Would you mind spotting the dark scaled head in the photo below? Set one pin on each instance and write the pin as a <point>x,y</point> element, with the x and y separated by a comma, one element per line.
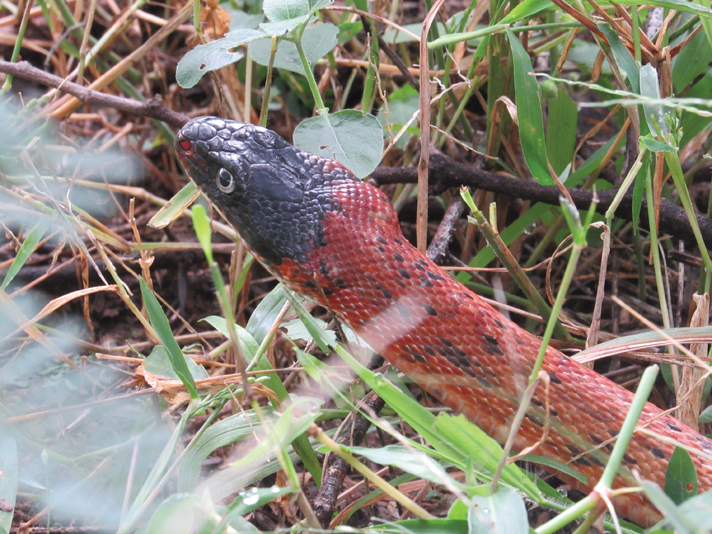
<point>275,195</point>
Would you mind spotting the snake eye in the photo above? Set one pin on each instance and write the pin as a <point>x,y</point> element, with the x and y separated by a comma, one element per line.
<point>185,145</point>
<point>225,181</point>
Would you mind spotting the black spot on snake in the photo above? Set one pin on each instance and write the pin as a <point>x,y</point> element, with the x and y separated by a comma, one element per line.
<point>430,310</point>
<point>657,452</point>
<point>629,459</point>
<point>398,257</point>
<point>672,426</point>
<point>425,282</point>
<point>405,274</point>
<point>381,249</point>
<point>418,266</point>
<point>490,339</point>
<point>381,240</point>
<point>555,379</point>
<point>340,283</point>
<point>310,284</point>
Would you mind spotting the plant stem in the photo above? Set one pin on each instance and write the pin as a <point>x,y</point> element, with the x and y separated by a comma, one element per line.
<point>321,109</point>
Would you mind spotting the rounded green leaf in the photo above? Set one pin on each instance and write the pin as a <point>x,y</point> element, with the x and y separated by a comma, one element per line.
<point>680,477</point>
<point>214,55</point>
<point>317,42</point>
<point>353,139</point>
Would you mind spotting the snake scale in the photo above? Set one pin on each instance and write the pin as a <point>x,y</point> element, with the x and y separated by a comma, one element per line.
<point>327,235</point>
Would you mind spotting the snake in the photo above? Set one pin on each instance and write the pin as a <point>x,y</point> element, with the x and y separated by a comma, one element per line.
<point>336,239</point>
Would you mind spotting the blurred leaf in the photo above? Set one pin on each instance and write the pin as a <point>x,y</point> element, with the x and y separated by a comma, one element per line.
<point>159,321</point>
<point>351,138</point>
<point>561,130</point>
<point>24,252</point>
<point>423,526</point>
<point>181,513</point>
<point>258,326</point>
<point>214,55</point>
<point>500,513</point>
<point>316,41</point>
<point>251,499</point>
<point>175,206</point>
<point>8,480</point>
<point>680,477</point>
<point>232,429</point>
<point>531,123</point>
<point>674,515</point>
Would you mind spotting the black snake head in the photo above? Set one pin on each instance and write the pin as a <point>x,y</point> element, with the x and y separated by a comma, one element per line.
<point>274,194</point>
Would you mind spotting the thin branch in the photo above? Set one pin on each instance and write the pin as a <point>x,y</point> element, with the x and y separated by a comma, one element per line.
<point>445,173</point>
<point>153,108</point>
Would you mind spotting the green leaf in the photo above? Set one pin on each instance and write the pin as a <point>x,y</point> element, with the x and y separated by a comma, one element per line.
<point>232,429</point>
<point>692,61</point>
<point>706,415</point>
<point>316,41</point>
<point>411,461</point>
<point>266,312</point>
<point>249,500</point>
<point>175,206</point>
<point>531,123</point>
<point>425,526</point>
<point>654,111</point>
<point>673,514</point>
<point>181,513</point>
<point>622,57</point>
<point>558,466</point>
<point>680,476</point>
<point>402,104</point>
<point>500,513</point>
<point>159,363</point>
<point>639,192</point>
<point>282,432</point>
<point>201,224</point>
<point>214,55</point>
<point>26,249</point>
<point>678,5</point>
<point>482,451</point>
<point>655,146</point>
<point>561,130</point>
<point>351,138</point>
<point>159,321</point>
<point>286,15</point>
<point>248,344</point>
<point>9,478</point>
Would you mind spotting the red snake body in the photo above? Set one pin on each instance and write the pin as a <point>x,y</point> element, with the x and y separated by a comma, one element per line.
<point>353,259</point>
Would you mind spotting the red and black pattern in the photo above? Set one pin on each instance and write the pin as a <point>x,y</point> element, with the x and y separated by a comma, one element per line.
<point>327,235</point>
